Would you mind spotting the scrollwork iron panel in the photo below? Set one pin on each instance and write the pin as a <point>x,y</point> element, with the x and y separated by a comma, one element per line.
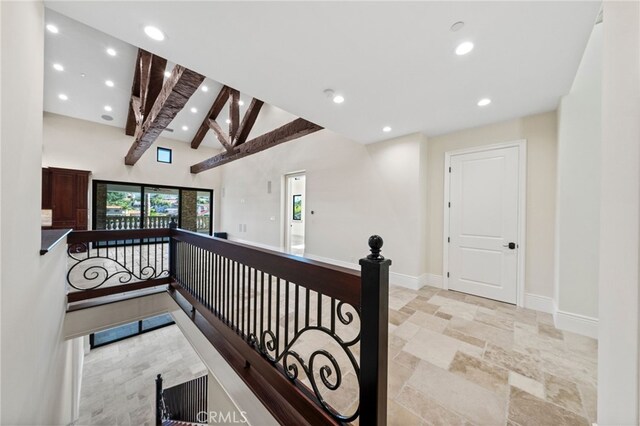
<point>96,264</point>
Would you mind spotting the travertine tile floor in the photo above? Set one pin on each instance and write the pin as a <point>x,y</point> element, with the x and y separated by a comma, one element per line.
<point>460,359</point>
<point>453,359</point>
<point>118,380</point>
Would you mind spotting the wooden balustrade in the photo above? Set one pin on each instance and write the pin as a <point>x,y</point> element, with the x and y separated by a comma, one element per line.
<point>292,328</point>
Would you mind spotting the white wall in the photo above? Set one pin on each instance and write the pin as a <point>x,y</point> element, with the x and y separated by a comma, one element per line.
<point>354,190</point>
<point>36,381</point>
<point>79,144</point>
<point>578,196</point>
<point>540,132</point>
<point>619,298</point>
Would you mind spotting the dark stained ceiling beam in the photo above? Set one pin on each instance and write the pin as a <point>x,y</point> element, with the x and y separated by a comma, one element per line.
<point>147,83</point>
<point>175,93</point>
<point>214,111</point>
<point>248,121</point>
<point>220,134</point>
<point>234,113</point>
<point>290,131</point>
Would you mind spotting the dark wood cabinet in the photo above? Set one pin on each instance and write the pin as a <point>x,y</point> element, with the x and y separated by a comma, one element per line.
<point>65,192</point>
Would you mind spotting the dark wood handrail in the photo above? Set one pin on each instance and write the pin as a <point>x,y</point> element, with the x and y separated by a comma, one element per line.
<point>331,280</point>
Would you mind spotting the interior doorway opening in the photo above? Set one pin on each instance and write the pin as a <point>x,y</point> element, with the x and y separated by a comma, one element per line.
<point>295,201</point>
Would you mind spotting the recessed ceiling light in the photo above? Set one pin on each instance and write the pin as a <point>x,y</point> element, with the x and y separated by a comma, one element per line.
<point>241,103</point>
<point>52,28</point>
<point>58,67</point>
<point>457,26</point>
<point>108,108</point>
<point>194,110</point>
<point>83,75</point>
<point>464,48</point>
<point>228,120</point>
<point>484,102</point>
<point>154,33</point>
<point>185,128</point>
<point>386,129</point>
<point>109,83</point>
<point>111,51</point>
<point>205,89</point>
<point>167,74</point>
<point>338,99</point>
<point>63,97</point>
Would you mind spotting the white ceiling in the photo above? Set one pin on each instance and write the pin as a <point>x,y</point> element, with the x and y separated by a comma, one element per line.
<point>394,62</point>
<point>81,49</point>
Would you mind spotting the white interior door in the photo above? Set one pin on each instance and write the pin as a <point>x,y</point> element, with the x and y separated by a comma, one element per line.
<point>295,201</point>
<point>483,223</point>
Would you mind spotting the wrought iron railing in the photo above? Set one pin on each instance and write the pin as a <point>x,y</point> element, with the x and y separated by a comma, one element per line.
<point>292,328</point>
<point>186,402</point>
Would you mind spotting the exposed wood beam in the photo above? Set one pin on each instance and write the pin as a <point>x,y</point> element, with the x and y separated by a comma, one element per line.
<point>147,82</point>
<point>234,113</point>
<point>132,123</point>
<point>248,121</point>
<point>214,111</point>
<point>290,131</point>
<point>220,134</point>
<point>174,95</point>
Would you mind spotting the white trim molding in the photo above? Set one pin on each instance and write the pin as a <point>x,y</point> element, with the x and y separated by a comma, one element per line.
<point>576,323</point>
<point>539,303</point>
<point>433,280</point>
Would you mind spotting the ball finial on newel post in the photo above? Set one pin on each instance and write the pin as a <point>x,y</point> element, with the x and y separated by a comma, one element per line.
<point>375,244</point>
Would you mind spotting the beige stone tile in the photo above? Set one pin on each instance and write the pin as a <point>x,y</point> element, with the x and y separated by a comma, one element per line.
<point>454,295</point>
<point>406,310</point>
<point>526,384</point>
<point>480,372</point>
<point>545,318</point>
<point>465,338</point>
<point>562,392</point>
<point>482,331</point>
<point>581,345</point>
<point>459,395</point>
<point>422,304</point>
<point>397,317</point>
<point>550,331</point>
<point>526,409</point>
<point>429,410</point>
<point>400,298</point>
<point>397,415</point>
<point>397,377</point>
<point>437,348</point>
<point>589,396</point>
<point>406,359</point>
<point>443,315</point>
<point>406,330</point>
<point>503,322</point>
<point>515,361</point>
<point>428,321</point>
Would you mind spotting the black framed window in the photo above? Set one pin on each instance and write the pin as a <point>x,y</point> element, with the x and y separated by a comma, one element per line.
<point>125,331</point>
<point>129,205</point>
<point>164,155</point>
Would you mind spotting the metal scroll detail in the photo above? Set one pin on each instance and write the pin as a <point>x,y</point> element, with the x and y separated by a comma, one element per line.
<point>90,268</point>
<point>318,364</point>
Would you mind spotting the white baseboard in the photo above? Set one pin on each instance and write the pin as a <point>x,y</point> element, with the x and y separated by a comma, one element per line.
<point>539,303</point>
<point>576,323</point>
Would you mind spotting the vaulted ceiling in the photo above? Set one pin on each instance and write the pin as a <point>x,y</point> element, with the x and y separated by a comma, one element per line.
<point>393,62</point>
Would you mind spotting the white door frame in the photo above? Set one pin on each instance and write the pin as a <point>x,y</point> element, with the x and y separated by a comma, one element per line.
<point>522,210</point>
<point>284,228</point>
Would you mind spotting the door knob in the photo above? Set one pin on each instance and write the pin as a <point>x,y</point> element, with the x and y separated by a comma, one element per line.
<point>511,246</point>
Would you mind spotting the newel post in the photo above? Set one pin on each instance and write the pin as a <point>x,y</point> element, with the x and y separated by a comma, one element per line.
<point>159,400</point>
<point>374,301</point>
<point>172,249</point>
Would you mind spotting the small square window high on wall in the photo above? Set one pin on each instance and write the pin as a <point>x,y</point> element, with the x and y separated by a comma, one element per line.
<point>164,155</point>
